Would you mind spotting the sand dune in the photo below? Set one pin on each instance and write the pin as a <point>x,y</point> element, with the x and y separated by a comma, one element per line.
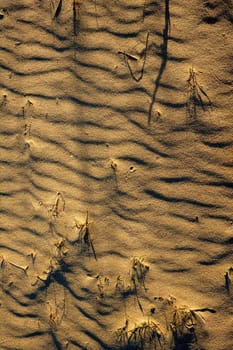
<point>116,174</point>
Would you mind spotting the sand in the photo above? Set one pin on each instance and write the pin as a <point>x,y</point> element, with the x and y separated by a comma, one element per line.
<point>116,174</point>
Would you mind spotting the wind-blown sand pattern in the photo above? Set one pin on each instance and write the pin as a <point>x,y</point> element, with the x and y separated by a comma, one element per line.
<point>116,174</point>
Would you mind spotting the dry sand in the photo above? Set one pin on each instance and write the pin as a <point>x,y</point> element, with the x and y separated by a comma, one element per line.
<point>122,109</point>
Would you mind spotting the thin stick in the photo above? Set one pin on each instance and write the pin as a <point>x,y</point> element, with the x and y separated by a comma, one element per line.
<point>227,282</point>
<point>136,294</point>
<point>74,18</point>
<point>87,238</point>
<point>128,55</point>
<point>57,10</point>
<point>204,309</point>
<point>19,267</point>
<point>144,62</point>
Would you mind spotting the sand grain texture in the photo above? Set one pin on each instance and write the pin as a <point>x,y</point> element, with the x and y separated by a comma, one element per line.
<point>122,110</point>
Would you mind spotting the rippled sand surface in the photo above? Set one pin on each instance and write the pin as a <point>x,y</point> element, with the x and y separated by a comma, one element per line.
<point>116,159</point>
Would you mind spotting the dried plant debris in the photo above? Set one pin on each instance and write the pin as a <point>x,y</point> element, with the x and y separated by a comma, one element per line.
<point>196,96</point>
<point>84,237</point>
<point>139,271</point>
<point>183,324</point>
<point>57,307</point>
<point>138,274</point>
<point>135,284</point>
<point>146,335</point>
<point>122,287</point>
<point>102,284</point>
<point>61,250</point>
<point>183,327</point>
<point>55,318</point>
<point>58,206</point>
<point>169,327</point>
<point>122,336</point>
<point>57,264</point>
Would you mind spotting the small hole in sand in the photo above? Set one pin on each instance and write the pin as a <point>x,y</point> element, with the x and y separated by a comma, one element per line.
<point>152,310</point>
<point>210,20</point>
<point>132,169</point>
<point>210,5</point>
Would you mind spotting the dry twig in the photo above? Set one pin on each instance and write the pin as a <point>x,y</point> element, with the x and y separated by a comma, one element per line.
<point>85,235</point>
<point>195,95</point>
